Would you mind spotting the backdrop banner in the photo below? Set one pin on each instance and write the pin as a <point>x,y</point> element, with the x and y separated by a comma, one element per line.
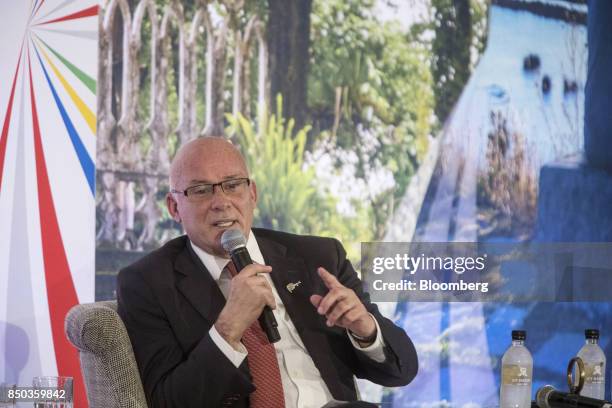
<point>48,65</point>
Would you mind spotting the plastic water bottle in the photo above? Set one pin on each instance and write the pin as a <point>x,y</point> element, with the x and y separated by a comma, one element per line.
<point>517,374</point>
<point>594,366</point>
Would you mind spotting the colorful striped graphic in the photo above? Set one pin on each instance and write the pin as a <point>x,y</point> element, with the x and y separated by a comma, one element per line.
<point>47,185</point>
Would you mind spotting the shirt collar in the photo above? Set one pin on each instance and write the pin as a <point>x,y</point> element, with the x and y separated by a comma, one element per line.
<point>216,264</point>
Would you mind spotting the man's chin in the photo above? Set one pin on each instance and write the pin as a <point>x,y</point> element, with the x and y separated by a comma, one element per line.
<point>218,250</point>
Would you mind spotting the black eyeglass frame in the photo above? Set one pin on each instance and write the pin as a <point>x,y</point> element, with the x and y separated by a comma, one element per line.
<point>185,192</point>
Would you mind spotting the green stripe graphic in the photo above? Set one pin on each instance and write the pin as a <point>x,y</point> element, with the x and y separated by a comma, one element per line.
<point>86,79</point>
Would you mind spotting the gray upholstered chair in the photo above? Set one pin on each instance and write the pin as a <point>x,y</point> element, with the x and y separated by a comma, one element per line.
<point>107,359</point>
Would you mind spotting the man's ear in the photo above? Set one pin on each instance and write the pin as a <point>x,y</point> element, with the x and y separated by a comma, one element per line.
<point>254,191</point>
<point>172,206</point>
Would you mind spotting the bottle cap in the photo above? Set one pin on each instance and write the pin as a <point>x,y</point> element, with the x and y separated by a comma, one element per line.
<point>519,334</point>
<point>591,334</point>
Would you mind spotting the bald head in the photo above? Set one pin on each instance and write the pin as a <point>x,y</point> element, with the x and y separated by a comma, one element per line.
<point>211,161</point>
<point>214,151</point>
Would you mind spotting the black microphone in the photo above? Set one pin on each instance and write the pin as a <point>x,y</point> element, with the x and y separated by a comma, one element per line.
<point>548,397</point>
<point>234,243</point>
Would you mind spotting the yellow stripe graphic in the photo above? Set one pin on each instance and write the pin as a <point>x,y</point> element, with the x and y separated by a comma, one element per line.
<point>87,114</point>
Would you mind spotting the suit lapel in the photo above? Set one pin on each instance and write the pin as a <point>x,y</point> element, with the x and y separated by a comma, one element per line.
<point>196,284</point>
<point>292,282</point>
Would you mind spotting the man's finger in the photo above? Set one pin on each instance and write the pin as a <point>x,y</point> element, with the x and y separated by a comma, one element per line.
<point>269,297</point>
<point>328,301</point>
<point>338,312</point>
<point>349,317</point>
<point>254,269</point>
<point>261,281</point>
<point>316,300</point>
<point>329,279</point>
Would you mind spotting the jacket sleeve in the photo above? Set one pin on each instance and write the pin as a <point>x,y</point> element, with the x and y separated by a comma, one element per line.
<point>172,377</point>
<point>401,362</point>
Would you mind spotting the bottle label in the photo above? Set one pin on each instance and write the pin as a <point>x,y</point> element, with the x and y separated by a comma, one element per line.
<point>516,374</point>
<point>594,373</point>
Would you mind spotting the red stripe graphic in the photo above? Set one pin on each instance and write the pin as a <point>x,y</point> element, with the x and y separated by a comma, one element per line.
<point>7,119</point>
<point>61,294</point>
<point>88,12</point>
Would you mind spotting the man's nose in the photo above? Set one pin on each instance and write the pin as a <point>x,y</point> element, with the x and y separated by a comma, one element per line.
<point>219,198</point>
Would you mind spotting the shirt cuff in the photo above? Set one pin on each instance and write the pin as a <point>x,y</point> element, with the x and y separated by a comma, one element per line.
<point>375,350</point>
<point>235,356</point>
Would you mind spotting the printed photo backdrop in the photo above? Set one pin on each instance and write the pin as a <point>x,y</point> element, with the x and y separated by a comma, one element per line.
<point>367,121</point>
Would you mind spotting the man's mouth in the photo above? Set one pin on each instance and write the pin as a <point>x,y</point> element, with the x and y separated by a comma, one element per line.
<point>224,223</point>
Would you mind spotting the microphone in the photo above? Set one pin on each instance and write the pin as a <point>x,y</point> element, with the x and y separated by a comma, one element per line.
<point>548,397</point>
<point>234,243</point>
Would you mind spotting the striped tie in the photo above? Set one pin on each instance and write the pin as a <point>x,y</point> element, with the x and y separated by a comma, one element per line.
<point>262,364</point>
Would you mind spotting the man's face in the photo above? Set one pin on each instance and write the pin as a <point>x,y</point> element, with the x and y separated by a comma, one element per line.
<point>205,219</point>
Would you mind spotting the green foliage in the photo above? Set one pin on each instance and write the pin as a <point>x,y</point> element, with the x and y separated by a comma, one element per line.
<point>451,49</point>
<point>288,197</point>
<point>276,162</point>
<point>384,71</point>
<point>381,76</point>
<point>480,26</point>
<point>460,35</point>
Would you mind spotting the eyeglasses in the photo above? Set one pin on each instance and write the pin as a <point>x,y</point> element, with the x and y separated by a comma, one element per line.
<point>234,188</point>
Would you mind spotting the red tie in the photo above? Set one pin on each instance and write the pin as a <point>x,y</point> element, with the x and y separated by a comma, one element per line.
<point>263,365</point>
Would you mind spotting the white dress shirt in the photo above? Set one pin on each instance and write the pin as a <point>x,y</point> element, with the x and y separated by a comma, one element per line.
<point>303,385</point>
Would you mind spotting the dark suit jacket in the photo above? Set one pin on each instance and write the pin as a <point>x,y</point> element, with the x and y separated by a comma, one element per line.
<point>169,301</point>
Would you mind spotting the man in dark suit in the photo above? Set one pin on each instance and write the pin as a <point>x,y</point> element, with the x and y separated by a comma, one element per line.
<point>193,321</point>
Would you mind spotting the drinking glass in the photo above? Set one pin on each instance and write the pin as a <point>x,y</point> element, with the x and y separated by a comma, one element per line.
<point>5,401</point>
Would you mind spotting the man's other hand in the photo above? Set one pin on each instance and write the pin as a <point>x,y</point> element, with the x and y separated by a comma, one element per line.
<point>342,307</point>
<point>248,295</point>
